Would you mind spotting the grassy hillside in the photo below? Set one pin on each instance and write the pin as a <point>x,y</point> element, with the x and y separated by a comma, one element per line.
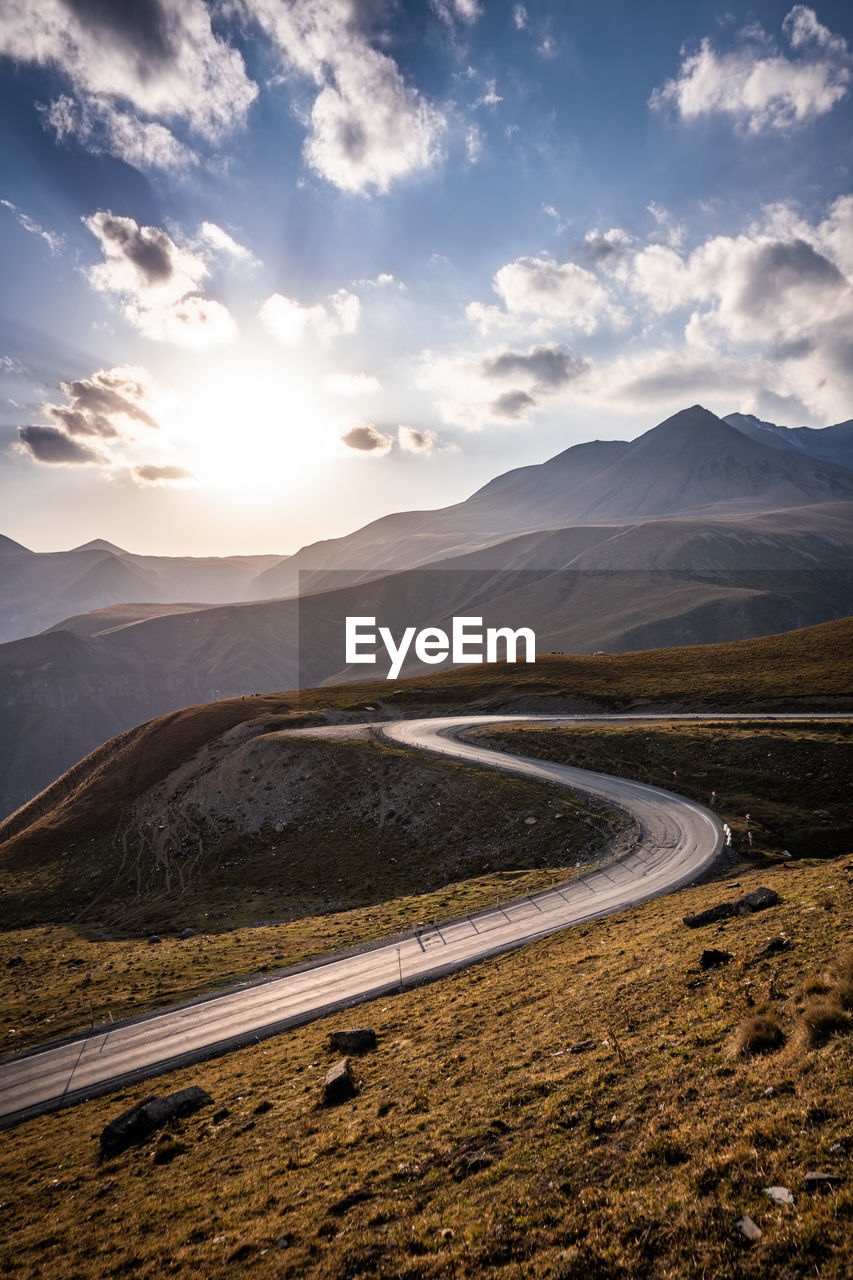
<point>808,669</point>
<point>479,1143</point>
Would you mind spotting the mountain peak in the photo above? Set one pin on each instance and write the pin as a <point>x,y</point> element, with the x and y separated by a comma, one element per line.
<point>101,544</point>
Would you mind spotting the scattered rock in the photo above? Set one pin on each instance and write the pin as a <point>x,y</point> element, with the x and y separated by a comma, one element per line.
<point>529,821</point>
<point>263,1107</point>
<point>712,959</point>
<point>14,961</point>
<point>146,1117</point>
<point>284,1242</point>
<point>474,1163</point>
<point>154,940</point>
<point>773,946</point>
<point>355,1040</point>
<point>188,933</point>
<point>820,1180</point>
<point>582,1046</point>
<point>338,1085</point>
<point>748,1228</point>
<point>779,1195</point>
<point>222,1114</point>
<point>758,900</point>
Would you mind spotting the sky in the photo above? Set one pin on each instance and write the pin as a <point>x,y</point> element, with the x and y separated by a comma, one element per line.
<point>270,269</point>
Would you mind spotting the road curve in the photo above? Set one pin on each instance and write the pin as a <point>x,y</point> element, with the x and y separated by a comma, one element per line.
<point>679,840</point>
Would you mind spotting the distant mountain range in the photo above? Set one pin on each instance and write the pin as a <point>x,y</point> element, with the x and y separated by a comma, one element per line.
<point>698,531</point>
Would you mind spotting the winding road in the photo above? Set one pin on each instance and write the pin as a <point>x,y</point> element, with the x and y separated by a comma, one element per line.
<point>678,841</point>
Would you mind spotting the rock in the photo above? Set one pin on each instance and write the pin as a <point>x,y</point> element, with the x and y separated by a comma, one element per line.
<point>356,1040</point>
<point>748,1228</point>
<point>773,946</point>
<point>712,959</point>
<point>758,900</point>
<point>779,1195</point>
<point>474,1163</point>
<point>820,1180</point>
<point>154,940</point>
<point>582,1046</point>
<point>147,1116</point>
<point>188,933</point>
<point>283,1242</point>
<point>710,916</point>
<point>338,1085</point>
<point>222,1114</point>
<point>14,961</point>
<point>770,1092</point>
<point>263,1107</point>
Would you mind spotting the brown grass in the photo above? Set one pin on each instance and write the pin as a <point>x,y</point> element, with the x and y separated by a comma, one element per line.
<point>478,1145</point>
<point>761,1033</point>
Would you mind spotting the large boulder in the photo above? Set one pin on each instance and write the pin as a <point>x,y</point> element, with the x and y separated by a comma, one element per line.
<point>146,1117</point>
<point>355,1040</point>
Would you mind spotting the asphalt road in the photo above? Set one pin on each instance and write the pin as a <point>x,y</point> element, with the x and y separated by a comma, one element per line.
<point>679,841</point>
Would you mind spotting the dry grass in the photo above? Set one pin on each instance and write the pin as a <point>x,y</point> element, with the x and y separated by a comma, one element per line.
<point>760,1033</point>
<point>478,1145</point>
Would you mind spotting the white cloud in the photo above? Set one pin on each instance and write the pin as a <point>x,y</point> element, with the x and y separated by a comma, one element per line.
<point>52,239</point>
<point>290,323</point>
<point>352,384</point>
<point>158,282</point>
<point>220,240</point>
<point>545,293</point>
<point>369,440</point>
<point>519,17</point>
<point>107,129</point>
<point>368,127</point>
<point>759,87</point>
<point>473,143</point>
<point>467,11</point>
<point>422,442</point>
<point>132,67</point>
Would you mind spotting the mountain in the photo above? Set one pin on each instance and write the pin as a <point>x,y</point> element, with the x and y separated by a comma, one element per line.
<point>831,444</point>
<point>40,589</point>
<point>694,463</point>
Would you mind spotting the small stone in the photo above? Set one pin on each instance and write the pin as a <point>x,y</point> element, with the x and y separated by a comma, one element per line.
<point>748,1228</point>
<point>713,958</point>
<point>338,1084</point>
<point>770,1092</point>
<point>222,1114</point>
<point>773,946</point>
<point>529,821</point>
<point>779,1195</point>
<point>820,1180</point>
<point>758,900</point>
<point>154,940</point>
<point>283,1242</point>
<point>188,933</point>
<point>14,961</point>
<point>582,1046</point>
<point>263,1107</point>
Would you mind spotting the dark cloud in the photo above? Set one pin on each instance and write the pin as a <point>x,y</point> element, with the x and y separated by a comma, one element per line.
<point>46,444</point>
<point>551,367</point>
<point>148,248</point>
<point>367,439</point>
<point>512,404</point>
<point>142,26</point>
<point>778,267</point>
<point>157,475</point>
<point>95,401</point>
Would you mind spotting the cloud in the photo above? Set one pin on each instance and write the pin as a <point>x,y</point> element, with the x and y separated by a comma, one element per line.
<point>291,324</point>
<point>112,407</point>
<point>467,11</point>
<point>220,240</point>
<point>368,439</point>
<point>412,440</point>
<point>106,129</point>
<point>759,87</point>
<point>352,384</point>
<point>158,282</point>
<point>368,128</point>
<point>548,367</point>
<point>549,293</point>
<point>519,17</point>
<point>512,405</point>
<point>103,404</point>
<point>49,445</point>
<point>130,66</point>
<point>53,241</point>
<point>10,364</point>
<point>148,474</point>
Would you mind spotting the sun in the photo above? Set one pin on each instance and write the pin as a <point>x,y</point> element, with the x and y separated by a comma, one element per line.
<point>254,427</point>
